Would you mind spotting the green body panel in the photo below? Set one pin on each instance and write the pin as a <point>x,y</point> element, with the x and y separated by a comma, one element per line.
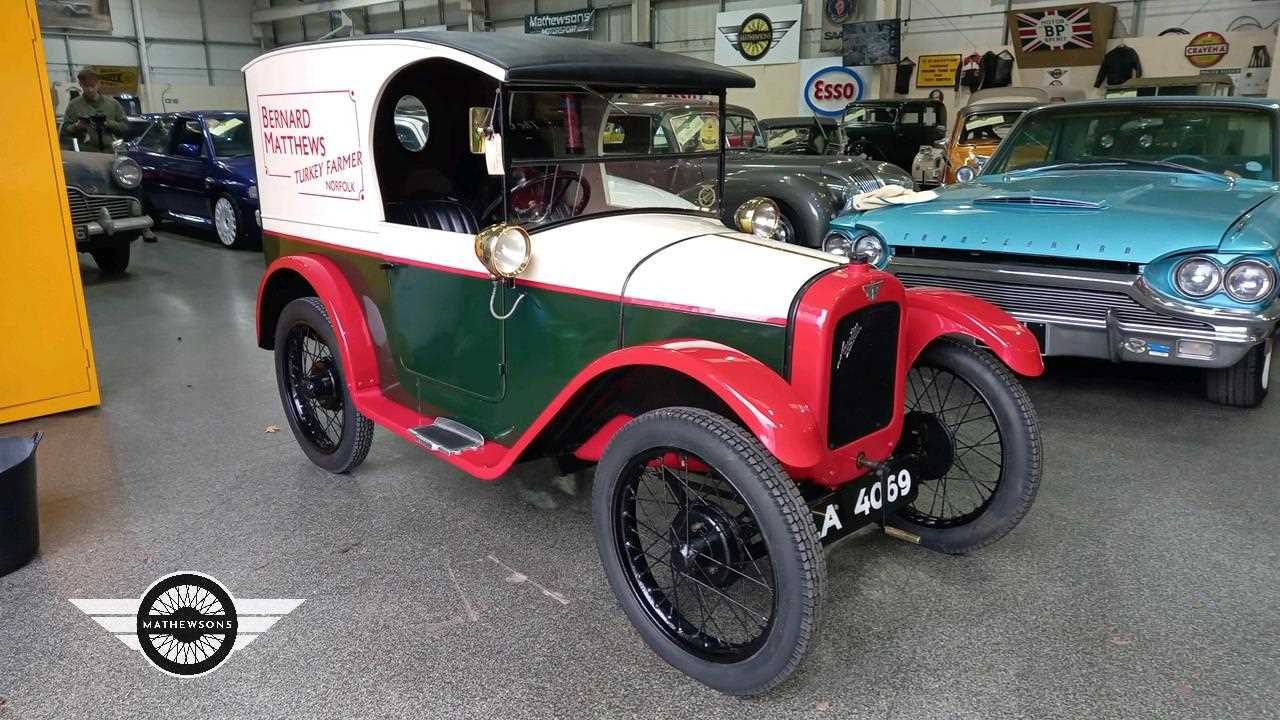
<point>441,331</point>
<point>445,355</point>
<point>766,343</point>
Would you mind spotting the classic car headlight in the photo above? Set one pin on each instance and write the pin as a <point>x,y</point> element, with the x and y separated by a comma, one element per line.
<point>759,216</point>
<point>1198,277</point>
<point>126,172</point>
<point>252,192</point>
<point>865,247</point>
<point>966,173</point>
<point>1249,280</point>
<point>504,249</point>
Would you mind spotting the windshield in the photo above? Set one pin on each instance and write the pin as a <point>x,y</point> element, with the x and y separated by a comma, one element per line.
<point>862,114</point>
<point>230,136</point>
<point>1226,141</point>
<point>577,153</point>
<point>987,128</point>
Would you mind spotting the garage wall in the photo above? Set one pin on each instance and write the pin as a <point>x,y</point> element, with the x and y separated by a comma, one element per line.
<point>183,51</point>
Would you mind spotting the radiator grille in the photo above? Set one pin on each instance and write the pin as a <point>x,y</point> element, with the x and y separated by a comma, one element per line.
<point>84,208</point>
<point>1066,303</point>
<point>863,180</point>
<point>864,371</point>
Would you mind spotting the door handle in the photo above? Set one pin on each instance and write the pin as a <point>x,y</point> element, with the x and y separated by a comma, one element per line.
<point>389,266</point>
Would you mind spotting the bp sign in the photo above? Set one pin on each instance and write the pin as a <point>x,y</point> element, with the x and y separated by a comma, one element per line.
<point>831,88</point>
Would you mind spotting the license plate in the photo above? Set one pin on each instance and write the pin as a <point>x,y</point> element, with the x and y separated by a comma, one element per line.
<point>868,499</point>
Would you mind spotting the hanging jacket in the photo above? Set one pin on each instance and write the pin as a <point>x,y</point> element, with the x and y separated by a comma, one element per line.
<point>902,82</point>
<point>1119,64</point>
<point>1003,75</point>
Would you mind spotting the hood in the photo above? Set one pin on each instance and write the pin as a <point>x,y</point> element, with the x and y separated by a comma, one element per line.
<point>837,172</point>
<point>729,275</point>
<point>241,167</point>
<point>91,172</point>
<point>1117,215</point>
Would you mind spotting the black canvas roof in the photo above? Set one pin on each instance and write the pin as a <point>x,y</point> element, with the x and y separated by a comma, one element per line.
<point>546,58</point>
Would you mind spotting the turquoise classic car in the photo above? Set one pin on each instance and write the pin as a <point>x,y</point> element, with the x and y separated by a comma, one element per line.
<point>1135,230</point>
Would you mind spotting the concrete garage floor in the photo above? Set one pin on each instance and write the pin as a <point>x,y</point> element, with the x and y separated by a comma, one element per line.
<point>1143,584</point>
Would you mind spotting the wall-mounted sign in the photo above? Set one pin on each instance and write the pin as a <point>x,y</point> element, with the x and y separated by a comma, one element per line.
<point>1207,49</point>
<point>116,79</point>
<point>828,90</point>
<point>835,13</point>
<point>74,15</point>
<point>937,71</point>
<point>572,22</point>
<point>1056,77</point>
<point>1064,35</point>
<point>758,37</point>
<point>878,42</point>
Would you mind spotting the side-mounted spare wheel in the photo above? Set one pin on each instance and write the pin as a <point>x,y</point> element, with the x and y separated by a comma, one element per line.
<point>709,548</point>
<point>310,376</point>
<point>974,432</point>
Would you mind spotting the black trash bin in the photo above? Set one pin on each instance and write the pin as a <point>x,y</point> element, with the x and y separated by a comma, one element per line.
<point>19,522</point>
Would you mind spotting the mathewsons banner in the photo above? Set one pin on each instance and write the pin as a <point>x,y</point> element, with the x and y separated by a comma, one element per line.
<point>1063,35</point>
<point>758,37</point>
<point>312,141</point>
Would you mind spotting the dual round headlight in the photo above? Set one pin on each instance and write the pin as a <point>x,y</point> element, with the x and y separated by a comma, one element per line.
<point>866,247</point>
<point>1245,281</point>
<point>504,250</point>
<point>759,216</point>
<point>126,172</point>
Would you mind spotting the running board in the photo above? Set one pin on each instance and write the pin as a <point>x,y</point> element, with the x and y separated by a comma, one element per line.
<point>447,436</point>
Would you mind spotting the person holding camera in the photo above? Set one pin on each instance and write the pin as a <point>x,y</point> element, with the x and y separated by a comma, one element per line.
<point>94,120</point>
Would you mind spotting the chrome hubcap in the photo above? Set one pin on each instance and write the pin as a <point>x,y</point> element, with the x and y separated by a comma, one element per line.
<point>224,219</point>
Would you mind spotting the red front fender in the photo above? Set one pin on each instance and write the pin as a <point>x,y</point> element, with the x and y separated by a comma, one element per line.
<point>933,312</point>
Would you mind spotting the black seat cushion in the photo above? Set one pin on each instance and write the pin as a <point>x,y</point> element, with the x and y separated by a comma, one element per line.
<point>443,214</point>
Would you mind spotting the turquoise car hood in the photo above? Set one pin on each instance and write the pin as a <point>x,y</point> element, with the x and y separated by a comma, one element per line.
<point>1116,215</point>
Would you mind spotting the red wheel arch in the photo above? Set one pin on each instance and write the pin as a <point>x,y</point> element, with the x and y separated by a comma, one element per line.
<point>933,312</point>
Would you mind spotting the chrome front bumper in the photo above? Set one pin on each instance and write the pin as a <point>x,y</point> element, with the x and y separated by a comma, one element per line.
<point>104,224</point>
<point>1114,316</point>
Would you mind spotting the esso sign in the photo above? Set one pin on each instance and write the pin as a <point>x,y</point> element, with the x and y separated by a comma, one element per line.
<point>830,89</point>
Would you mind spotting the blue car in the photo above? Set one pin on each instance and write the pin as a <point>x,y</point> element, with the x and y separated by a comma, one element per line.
<point>197,169</point>
<point>1133,230</point>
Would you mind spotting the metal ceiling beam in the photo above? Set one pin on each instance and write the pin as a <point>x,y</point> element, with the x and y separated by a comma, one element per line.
<point>287,12</point>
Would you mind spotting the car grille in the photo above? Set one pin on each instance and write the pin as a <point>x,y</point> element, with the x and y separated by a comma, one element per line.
<point>864,371</point>
<point>864,180</point>
<point>1067,303</point>
<point>84,208</point>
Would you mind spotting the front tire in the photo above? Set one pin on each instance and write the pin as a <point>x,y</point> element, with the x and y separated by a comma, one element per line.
<point>111,260</point>
<point>311,378</point>
<point>709,548</point>
<point>1244,384</point>
<point>974,427</point>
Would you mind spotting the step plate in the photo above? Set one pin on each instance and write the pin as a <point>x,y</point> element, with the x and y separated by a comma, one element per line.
<point>448,436</point>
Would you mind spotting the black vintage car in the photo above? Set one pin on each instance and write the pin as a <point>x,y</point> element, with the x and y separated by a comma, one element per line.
<point>892,130</point>
<point>106,206</point>
<point>812,135</point>
<point>809,189</point>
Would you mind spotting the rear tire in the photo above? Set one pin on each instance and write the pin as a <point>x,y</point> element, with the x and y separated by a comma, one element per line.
<point>752,548</point>
<point>311,378</point>
<point>965,405</point>
<point>112,260</point>
<point>1244,384</point>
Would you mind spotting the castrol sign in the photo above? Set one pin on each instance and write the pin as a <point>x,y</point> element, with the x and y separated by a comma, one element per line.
<point>830,89</point>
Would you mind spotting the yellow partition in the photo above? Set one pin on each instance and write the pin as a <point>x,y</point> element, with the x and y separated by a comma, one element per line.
<point>46,354</point>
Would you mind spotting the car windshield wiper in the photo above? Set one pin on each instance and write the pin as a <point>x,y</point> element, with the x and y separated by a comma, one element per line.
<point>1119,162</point>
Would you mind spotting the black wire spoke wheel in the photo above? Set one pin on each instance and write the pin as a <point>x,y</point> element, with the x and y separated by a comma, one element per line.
<point>694,555</point>
<point>972,441</point>
<point>309,374</point>
<point>314,387</point>
<point>963,452</point>
<point>709,548</point>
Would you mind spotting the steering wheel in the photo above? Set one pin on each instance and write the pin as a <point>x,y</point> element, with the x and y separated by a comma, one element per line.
<point>538,198</point>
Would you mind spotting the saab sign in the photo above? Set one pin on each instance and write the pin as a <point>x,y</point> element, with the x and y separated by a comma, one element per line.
<point>830,89</point>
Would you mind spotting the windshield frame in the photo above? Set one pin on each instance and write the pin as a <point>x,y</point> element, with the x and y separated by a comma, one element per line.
<point>999,157</point>
<point>503,103</point>
<point>896,111</point>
